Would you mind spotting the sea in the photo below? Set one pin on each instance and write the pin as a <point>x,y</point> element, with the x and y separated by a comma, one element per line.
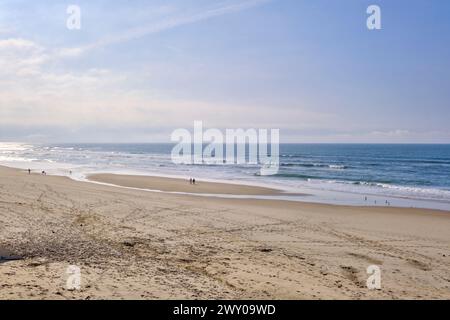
<point>400,175</point>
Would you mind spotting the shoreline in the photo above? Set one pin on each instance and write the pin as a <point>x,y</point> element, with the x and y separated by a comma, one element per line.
<point>346,186</point>
<point>224,190</point>
<point>218,197</point>
<point>230,189</point>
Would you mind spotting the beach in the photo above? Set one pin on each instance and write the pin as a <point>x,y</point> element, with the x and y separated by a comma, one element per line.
<point>136,244</point>
<point>181,186</point>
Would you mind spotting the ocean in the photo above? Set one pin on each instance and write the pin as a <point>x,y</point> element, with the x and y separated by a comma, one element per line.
<point>407,175</point>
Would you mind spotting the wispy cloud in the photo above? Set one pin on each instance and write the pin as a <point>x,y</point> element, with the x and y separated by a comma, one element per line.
<point>36,99</point>
<point>20,56</point>
<point>166,24</point>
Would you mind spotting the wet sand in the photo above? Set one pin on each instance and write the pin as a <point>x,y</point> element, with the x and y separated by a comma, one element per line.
<point>180,185</point>
<point>132,244</point>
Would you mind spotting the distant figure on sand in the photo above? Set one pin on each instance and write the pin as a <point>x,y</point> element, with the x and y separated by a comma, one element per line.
<point>44,173</point>
<point>190,181</point>
<point>29,171</point>
<point>193,181</point>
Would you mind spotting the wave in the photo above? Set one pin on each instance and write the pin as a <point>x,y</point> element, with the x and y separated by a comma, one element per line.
<point>298,176</point>
<point>16,159</point>
<point>386,188</point>
<point>344,172</point>
<point>10,146</point>
<point>314,165</point>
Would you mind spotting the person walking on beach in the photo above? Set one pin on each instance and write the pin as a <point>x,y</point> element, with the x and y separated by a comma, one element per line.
<point>29,171</point>
<point>193,181</point>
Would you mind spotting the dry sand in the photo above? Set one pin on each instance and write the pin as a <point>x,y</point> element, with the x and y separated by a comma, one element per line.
<point>134,244</point>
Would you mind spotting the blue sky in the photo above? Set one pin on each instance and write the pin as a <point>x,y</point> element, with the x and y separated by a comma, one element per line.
<point>137,70</point>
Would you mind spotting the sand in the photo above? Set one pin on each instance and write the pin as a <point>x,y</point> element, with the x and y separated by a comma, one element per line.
<point>132,244</point>
<point>179,185</point>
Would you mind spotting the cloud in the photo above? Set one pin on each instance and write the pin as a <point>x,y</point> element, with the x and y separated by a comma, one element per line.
<point>16,43</point>
<point>46,103</point>
<point>50,104</point>
<point>391,133</point>
<point>5,30</point>
<point>160,26</point>
<point>21,57</point>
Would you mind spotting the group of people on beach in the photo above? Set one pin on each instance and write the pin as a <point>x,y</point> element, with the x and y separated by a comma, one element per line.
<point>42,172</point>
<point>45,173</point>
<point>192,181</point>
<point>388,203</point>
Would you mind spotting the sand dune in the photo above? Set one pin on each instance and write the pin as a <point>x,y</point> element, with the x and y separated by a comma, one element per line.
<point>136,244</point>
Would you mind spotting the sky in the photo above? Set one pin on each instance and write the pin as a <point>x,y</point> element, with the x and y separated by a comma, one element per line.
<point>137,70</point>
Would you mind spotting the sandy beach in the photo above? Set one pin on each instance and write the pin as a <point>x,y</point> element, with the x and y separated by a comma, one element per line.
<point>178,185</point>
<point>132,244</point>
